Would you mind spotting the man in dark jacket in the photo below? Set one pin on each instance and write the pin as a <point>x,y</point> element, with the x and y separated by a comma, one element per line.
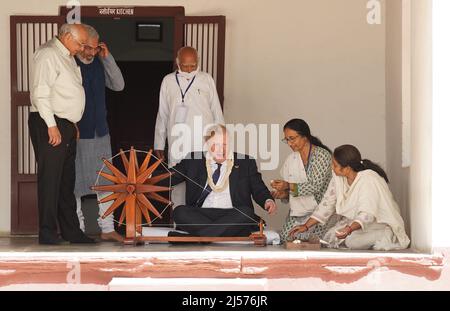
<point>99,71</point>
<point>220,186</point>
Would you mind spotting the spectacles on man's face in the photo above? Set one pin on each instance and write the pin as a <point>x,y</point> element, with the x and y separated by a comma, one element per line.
<point>90,49</point>
<point>289,139</point>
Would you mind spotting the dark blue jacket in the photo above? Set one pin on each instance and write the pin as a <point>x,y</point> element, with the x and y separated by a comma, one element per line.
<point>94,116</point>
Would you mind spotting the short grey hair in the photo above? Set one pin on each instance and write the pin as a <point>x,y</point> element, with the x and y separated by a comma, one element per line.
<point>92,33</point>
<point>68,28</point>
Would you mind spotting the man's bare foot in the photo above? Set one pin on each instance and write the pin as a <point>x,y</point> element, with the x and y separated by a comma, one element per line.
<point>111,236</point>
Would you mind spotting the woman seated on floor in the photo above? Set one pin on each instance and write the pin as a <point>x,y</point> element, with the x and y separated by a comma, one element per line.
<point>306,174</point>
<point>359,193</point>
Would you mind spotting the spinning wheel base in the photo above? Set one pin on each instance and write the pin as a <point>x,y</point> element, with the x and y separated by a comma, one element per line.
<point>257,239</point>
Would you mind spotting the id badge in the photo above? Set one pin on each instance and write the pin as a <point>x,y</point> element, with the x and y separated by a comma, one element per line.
<point>181,114</point>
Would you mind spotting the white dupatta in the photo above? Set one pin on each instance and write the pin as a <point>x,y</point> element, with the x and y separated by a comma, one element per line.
<point>369,193</point>
<point>293,171</point>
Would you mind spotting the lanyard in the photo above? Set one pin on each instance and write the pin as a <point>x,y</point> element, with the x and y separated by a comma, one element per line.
<point>183,95</point>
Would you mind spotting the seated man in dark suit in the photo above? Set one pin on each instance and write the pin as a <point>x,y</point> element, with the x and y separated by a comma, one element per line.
<point>219,190</point>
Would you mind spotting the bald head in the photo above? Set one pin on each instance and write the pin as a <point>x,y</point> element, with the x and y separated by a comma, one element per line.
<point>73,37</point>
<point>187,59</point>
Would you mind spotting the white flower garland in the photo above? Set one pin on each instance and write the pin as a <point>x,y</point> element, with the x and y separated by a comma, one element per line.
<point>224,183</point>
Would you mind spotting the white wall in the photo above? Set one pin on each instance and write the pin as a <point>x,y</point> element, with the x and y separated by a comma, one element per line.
<point>421,108</point>
<point>399,177</point>
<point>315,59</point>
<point>441,126</point>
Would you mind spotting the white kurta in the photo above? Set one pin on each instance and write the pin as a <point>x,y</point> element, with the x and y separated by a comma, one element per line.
<point>293,171</point>
<point>203,109</point>
<point>369,202</point>
<point>56,84</point>
<point>203,105</point>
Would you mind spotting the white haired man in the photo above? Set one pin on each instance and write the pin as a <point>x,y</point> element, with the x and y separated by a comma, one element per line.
<point>57,104</point>
<point>220,188</point>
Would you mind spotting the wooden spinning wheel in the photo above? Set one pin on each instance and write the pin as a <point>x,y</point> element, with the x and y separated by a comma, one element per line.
<point>134,188</point>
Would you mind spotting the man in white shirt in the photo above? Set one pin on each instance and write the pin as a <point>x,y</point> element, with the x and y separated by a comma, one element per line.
<point>187,96</point>
<point>57,103</point>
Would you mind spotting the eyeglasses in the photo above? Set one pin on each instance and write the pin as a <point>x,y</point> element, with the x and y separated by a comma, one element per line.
<point>289,139</point>
<point>90,48</point>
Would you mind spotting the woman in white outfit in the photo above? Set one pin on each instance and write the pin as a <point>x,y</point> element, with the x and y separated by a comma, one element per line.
<point>305,174</point>
<point>359,193</point>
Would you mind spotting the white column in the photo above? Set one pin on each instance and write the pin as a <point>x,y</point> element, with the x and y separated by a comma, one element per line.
<point>441,124</point>
<point>421,97</point>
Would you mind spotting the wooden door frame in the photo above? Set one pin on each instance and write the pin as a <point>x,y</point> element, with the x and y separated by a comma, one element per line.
<point>19,98</point>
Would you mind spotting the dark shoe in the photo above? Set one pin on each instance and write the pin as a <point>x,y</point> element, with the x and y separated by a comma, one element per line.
<point>178,234</point>
<point>83,239</point>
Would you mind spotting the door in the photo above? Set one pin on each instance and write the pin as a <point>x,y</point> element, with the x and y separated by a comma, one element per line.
<point>27,34</point>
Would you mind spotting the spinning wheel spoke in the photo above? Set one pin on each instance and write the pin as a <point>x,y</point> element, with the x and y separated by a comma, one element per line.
<point>136,162</point>
<point>115,205</point>
<point>142,177</point>
<point>144,211</point>
<point>144,201</point>
<point>157,179</point>
<point>151,188</point>
<point>109,198</point>
<point>124,160</point>
<point>115,171</point>
<point>132,167</point>
<point>111,188</point>
<point>146,162</point>
<point>122,216</point>
<point>159,198</point>
<point>109,177</point>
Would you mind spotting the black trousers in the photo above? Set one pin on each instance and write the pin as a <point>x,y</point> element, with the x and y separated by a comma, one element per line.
<point>213,222</point>
<point>56,179</point>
